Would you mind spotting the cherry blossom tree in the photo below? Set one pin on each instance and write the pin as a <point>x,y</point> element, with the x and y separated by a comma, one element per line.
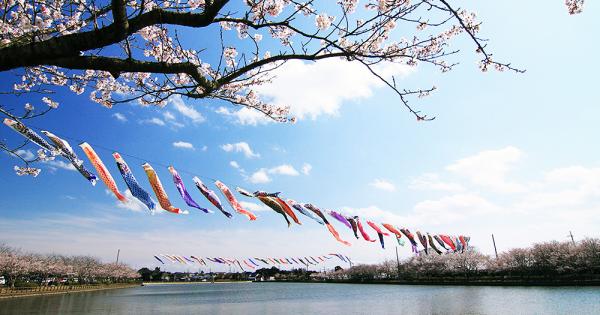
<point>14,264</point>
<point>146,51</point>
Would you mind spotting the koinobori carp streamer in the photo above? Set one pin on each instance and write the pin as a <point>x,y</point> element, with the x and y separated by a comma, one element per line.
<point>304,211</point>
<point>134,187</point>
<point>29,134</point>
<point>340,218</point>
<point>233,201</point>
<point>103,172</point>
<point>159,190</point>
<point>330,227</point>
<point>211,196</point>
<point>271,203</point>
<point>183,191</point>
<point>380,233</point>
<point>67,151</point>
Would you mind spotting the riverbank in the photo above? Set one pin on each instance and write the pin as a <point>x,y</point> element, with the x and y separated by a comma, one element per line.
<point>60,289</point>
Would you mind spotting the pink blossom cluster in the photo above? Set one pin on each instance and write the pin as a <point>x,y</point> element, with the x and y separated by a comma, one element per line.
<point>574,6</point>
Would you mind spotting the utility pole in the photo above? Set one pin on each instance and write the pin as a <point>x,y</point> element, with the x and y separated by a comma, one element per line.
<point>572,238</point>
<point>495,249</point>
<point>118,252</point>
<point>397,261</point>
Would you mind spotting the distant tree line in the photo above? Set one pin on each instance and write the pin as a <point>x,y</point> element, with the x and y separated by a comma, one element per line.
<point>28,269</point>
<point>542,262</point>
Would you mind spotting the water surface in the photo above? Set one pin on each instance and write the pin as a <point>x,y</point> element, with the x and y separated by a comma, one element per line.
<point>313,298</point>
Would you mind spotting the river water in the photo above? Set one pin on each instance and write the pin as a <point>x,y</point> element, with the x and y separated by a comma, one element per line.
<point>313,298</point>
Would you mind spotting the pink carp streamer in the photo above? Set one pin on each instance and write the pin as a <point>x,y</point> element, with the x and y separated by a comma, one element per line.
<point>233,201</point>
<point>102,170</point>
<point>362,231</point>
<point>159,190</point>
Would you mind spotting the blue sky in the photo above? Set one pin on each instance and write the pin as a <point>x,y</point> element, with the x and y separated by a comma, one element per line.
<point>509,154</point>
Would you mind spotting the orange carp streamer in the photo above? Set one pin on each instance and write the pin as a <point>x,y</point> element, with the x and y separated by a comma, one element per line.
<point>159,190</point>
<point>336,235</point>
<point>392,229</point>
<point>233,201</point>
<point>102,171</point>
<point>288,210</point>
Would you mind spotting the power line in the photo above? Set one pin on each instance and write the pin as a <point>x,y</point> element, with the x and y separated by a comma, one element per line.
<point>142,159</point>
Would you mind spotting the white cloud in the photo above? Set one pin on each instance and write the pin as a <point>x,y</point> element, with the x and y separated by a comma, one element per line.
<point>153,121</point>
<point>254,207</point>
<point>25,154</point>
<point>132,203</point>
<point>120,117</point>
<point>185,110</point>
<point>306,168</point>
<point>204,148</point>
<point>331,82</point>
<point>432,181</point>
<point>453,208</point>
<point>60,164</point>
<point>242,147</point>
<point>259,177</point>
<point>244,116</point>
<point>284,169</point>
<point>374,213</point>
<point>489,169</point>
<point>168,115</point>
<point>383,184</point>
<point>234,164</point>
<point>183,145</point>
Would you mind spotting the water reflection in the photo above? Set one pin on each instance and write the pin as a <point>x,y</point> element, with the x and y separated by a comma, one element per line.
<point>298,298</point>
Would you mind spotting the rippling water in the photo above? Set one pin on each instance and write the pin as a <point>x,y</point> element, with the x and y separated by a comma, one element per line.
<point>301,298</point>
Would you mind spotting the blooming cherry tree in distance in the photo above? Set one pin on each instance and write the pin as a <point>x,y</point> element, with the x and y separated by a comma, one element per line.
<point>145,51</point>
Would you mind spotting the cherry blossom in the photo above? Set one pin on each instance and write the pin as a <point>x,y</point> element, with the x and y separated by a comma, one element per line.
<point>132,51</point>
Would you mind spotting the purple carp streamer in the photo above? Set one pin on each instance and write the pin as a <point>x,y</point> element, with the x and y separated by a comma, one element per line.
<point>29,135</point>
<point>183,191</point>
<point>67,151</point>
<point>211,196</point>
<point>102,170</point>
<point>159,190</point>
<point>340,218</point>
<point>134,187</point>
